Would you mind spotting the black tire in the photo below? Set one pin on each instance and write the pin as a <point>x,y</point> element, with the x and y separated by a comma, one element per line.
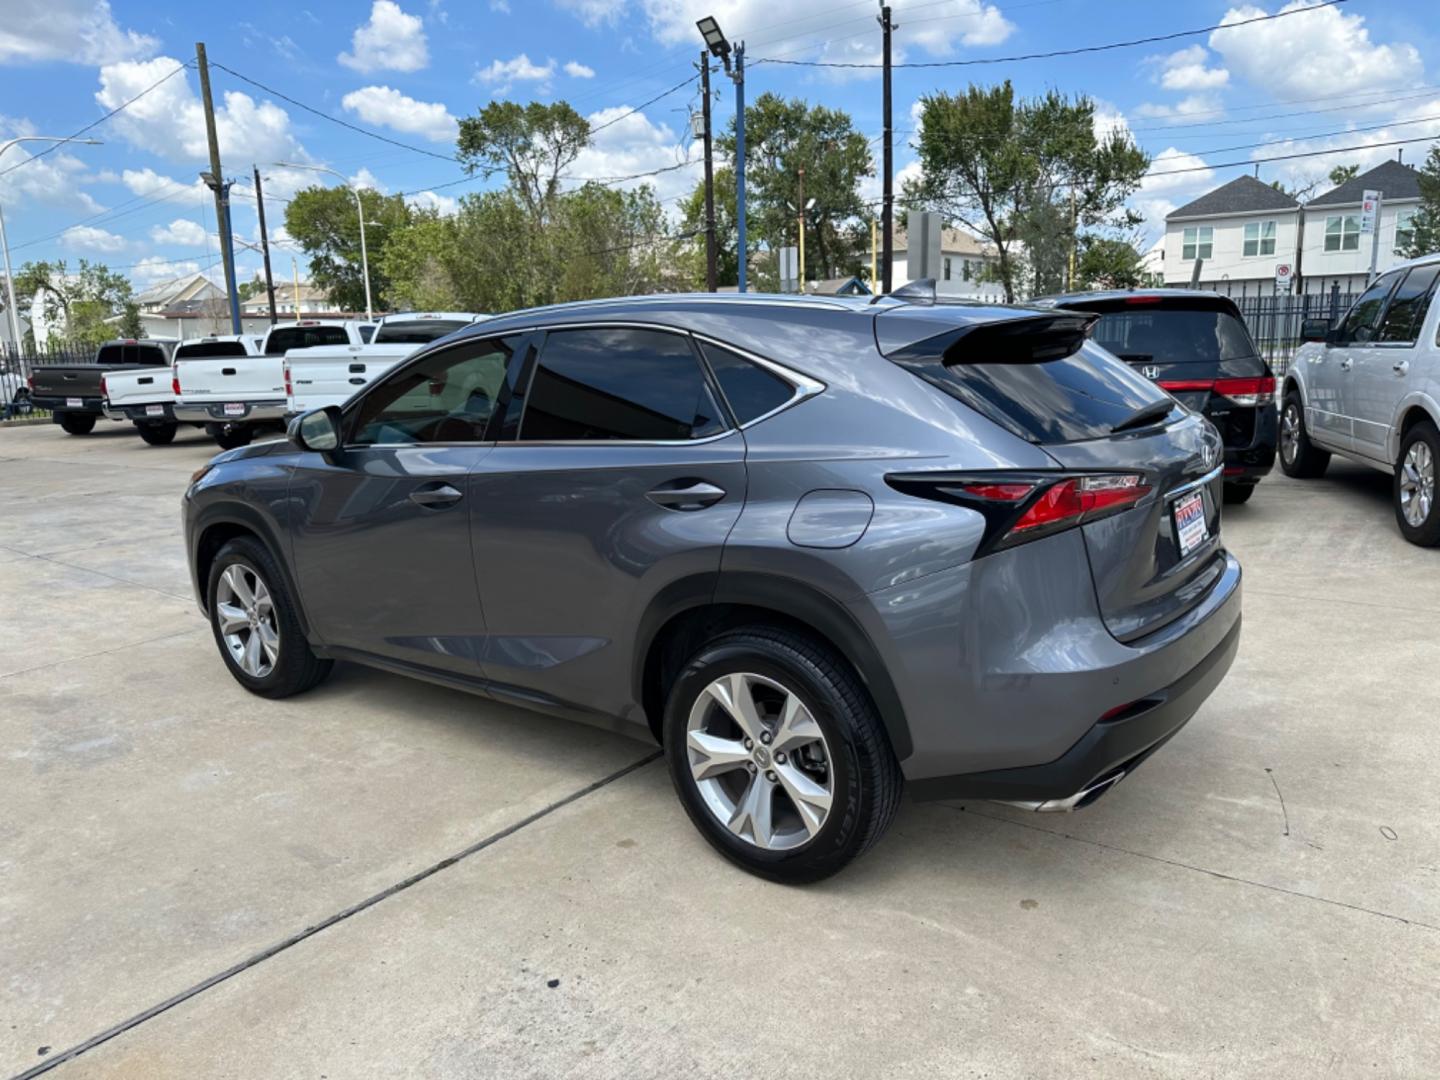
<point>1301,458</point>
<point>77,423</point>
<point>1235,494</point>
<point>228,437</point>
<point>863,775</point>
<point>295,668</point>
<point>158,434</point>
<point>1426,533</point>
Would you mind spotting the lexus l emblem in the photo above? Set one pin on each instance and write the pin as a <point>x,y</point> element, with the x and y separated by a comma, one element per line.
<point>1150,371</point>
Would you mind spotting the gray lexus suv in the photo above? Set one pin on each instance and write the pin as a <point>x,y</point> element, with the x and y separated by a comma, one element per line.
<point>817,549</point>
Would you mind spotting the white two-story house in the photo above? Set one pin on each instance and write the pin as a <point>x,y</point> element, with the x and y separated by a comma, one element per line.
<point>1240,232</point>
<point>1335,251</point>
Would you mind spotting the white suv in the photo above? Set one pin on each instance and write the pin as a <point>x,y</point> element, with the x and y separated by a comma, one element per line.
<point>1369,388</point>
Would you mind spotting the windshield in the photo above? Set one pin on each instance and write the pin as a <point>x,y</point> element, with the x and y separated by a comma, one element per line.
<point>209,348</point>
<point>1174,336</point>
<point>305,337</point>
<point>418,331</point>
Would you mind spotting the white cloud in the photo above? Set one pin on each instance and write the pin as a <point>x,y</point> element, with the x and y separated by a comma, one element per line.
<point>1186,70</point>
<point>366,179</point>
<point>1194,108</point>
<point>577,70</point>
<point>1108,120</point>
<point>53,179</point>
<point>390,108</point>
<point>1324,51</point>
<point>445,205</point>
<point>149,183</point>
<point>1179,170</point>
<point>181,231</point>
<point>636,145</point>
<point>89,238</point>
<point>1301,171</point>
<point>152,268</point>
<point>502,74</point>
<point>79,31</point>
<point>391,41</point>
<point>501,6</point>
<point>169,121</point>
<point>592,12</point>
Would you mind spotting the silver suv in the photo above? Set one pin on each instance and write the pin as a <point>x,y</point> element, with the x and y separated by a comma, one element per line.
<point>814,548</point>
<point>1369,388</point>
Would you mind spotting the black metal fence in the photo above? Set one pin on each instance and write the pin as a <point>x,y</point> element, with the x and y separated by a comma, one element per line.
<point>16,364</point>
<point>1275,321</point>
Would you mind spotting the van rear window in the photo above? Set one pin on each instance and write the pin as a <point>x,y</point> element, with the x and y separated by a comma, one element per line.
<point>1173,336</point>
<point>1083,396</point>
<point>209,348</point>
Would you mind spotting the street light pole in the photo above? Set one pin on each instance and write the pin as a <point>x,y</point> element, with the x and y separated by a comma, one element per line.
<point>739,77</point>
<point>12,315</point>
<point>360,213</point>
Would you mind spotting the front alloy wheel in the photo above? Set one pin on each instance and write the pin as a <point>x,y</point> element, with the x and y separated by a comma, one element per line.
<point>247,620</point>
<point>760,761</point>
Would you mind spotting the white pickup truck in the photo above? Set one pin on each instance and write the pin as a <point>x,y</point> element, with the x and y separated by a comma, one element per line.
<point>331,374</point>
<point>146,396</point>
<point>236,396</point>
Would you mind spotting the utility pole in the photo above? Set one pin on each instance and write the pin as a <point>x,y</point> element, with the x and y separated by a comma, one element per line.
<point>800,278</point>
<point>265,245</point>
<point>874,282</point>
<point>739,77</point>
<point>887,206</point>
<point>709,176</point>
<point>216,182</point>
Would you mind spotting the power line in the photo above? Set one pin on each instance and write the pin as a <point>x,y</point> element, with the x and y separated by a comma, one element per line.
<point>96,123</point>
<point>1292,157</point>
<point>1131,43</point>
<point>644,105</point>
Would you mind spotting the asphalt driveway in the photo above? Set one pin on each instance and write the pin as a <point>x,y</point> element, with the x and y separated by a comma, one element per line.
<point>387,878</point>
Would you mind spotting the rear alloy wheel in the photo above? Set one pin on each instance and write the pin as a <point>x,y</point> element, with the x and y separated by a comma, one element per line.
<point>229,437</point>
<point>77,423</point>
<point>1298,456</point>
<point>1415,511</point>
<point>158,434</point>
<point>255,625</point>
<point>1235,494</point>
<point>778,755</point>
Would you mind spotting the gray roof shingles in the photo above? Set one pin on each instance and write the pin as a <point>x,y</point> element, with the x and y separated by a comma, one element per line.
<point>1242,195</point>
<point>1391,178</point>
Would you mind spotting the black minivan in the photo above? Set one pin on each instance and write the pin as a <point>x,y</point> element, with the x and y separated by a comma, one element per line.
<point>1195,345</point>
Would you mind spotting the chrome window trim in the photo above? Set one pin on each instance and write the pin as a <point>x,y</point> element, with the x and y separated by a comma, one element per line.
<point>805,386</point>
<point>1184,489</point>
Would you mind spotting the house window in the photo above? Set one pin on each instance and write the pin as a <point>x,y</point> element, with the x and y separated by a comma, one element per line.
<point>965,269</point>
<point>947,269</point>
<point>1342,233</point>
<point>1404,229</point>
<point>1198,243</point>
<point>1259,238</point>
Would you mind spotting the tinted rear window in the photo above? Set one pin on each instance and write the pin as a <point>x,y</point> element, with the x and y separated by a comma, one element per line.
<point>750,389</point>
<point>419,332</point>
<point>209,348</point>
<point>136,353</point>
<point>305,337</point>
<point>1080,397</point>
<point>1173,336</point>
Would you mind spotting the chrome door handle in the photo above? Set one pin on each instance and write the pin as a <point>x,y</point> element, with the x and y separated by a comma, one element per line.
<point>1400,367</point>
<point>696,496</point>
<point>435,496</point>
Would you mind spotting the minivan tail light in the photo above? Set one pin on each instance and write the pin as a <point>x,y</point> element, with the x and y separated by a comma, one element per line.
<point>1019,508</point>
<point>1259,391</point>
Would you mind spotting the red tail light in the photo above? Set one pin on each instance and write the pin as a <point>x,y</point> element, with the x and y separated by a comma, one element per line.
<point>1018,508</point>
<point>175,384</point>
<point>289,390</point>
<point>1251,391</point>
<point>30,381</point>
<point>104,392</point>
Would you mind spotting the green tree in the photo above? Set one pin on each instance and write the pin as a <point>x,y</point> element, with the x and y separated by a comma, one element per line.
<point>531,144</point>
<point>1343,174</point>
<point>1425,224</point>
<point>1025,174</point>
<point>82,300</point>
<point>784,136</point>
<point>692,227</point>
<point>1107,263</point>
<point>323,221</point>
<point>254,287</point>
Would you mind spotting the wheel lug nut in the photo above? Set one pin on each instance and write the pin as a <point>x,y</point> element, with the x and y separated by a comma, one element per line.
<point>780,757</point>
<point>770,775</point>
<point>750,767</point>
<point>749,745</point>
<point>765,736</point>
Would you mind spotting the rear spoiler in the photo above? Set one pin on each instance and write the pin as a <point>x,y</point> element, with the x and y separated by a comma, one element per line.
<point>1030,339</point>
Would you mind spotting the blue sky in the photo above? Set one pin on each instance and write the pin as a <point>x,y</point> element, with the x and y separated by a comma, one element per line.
<point>1358,74</point>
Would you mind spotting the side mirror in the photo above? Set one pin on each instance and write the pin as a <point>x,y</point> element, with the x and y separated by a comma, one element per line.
<point>1315,330</point>
<point>317,430</point>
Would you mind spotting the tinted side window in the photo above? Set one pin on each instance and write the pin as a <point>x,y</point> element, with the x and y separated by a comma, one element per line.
<point>643,385</point>
<point>750,390</point>
<point>1359,322</point>
<point>446,397</point>
<point>304,337</point>
<point>1406,313</point>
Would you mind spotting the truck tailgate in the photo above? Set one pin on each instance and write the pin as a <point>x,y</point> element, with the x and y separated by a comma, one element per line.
<point>331,374</point>
<point>231,378</point>
<point>66,380</point>
<point>140,387</point>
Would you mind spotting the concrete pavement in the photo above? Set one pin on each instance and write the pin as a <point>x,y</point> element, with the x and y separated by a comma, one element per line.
<point>266,886</point>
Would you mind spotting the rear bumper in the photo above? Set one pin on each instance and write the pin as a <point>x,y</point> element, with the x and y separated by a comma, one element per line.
<point>141,414</point>
<point>1105,754</point>
<point>1248,461</point>
<point>214,412</point>
<point>60,404</point>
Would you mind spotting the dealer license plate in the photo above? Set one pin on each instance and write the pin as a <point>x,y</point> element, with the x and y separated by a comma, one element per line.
<point>74,403</point>
<point>1190,528</point>
<point>154,410</point>
<point>234,409</point>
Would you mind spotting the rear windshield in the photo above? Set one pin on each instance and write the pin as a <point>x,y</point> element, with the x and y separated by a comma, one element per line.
<point>419,331</point>
<point>1173,336</point>
<point>210,348</point>
<point>1083,396</point>
<point>305,337</point>
<point>132,353</point>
